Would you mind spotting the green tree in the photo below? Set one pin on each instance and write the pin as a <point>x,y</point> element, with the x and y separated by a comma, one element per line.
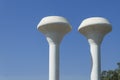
<point>111,74</point>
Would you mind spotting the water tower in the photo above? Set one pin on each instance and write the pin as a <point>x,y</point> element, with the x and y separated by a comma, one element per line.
<point>94,29</point>
<point>54,28</point>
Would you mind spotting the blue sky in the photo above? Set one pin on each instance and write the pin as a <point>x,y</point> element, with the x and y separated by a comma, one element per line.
<point>24,50</point>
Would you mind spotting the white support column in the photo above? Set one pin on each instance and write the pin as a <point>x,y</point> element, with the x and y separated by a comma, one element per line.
<point>95,29</point>
<point>54,28</point>
<point>54,62</point>
<point>95,42</point>
<point>54,44</point>
<point>95,54</point>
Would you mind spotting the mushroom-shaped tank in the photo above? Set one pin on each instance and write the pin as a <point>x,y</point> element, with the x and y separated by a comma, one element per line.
<point>54,27</point>
<point>95,24</point>
<point>54,23</point>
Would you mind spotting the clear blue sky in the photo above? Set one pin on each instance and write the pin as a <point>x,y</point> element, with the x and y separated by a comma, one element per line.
<point>24,50</point>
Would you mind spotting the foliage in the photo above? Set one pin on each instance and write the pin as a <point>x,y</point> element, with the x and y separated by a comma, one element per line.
<point>111,74</point>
